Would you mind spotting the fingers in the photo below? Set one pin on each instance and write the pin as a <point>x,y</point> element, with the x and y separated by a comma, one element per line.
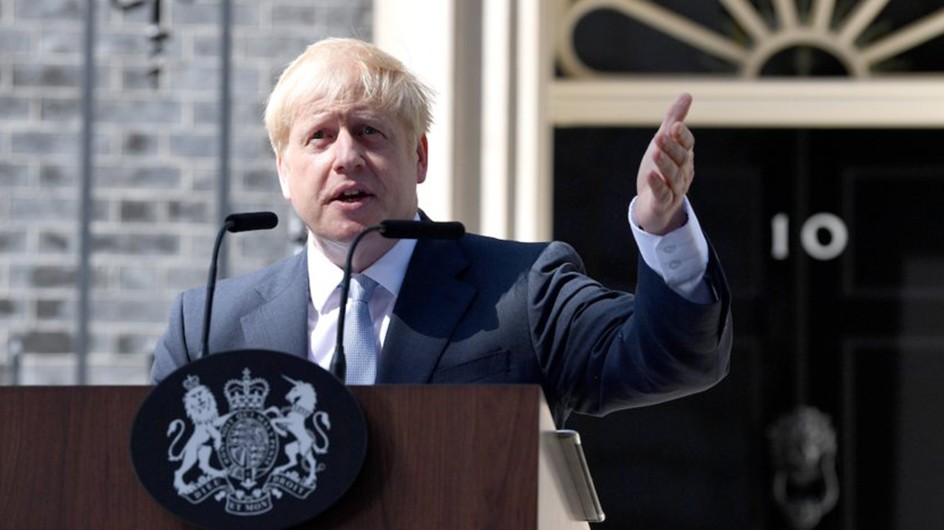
<point>683,135</point>
<point>674,138</point>
<point>674,157</point>
<point>678,143</point>
<point>659,188</point>
<point>667,171</point>
<point>674,176</point>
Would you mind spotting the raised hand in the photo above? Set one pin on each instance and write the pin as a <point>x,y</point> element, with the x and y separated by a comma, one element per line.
<point>666,172</point>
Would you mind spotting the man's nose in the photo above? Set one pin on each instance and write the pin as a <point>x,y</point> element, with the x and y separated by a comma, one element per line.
<point>348,154</point>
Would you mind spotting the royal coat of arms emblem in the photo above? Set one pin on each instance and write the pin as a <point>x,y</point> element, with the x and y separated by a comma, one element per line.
<point>246,442</point>
<point>256,447</point>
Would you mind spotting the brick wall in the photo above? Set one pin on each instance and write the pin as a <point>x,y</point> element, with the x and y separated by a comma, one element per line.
<point>155,168</point>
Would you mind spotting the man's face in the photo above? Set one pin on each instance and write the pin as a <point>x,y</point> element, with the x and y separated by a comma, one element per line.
<point>347,168</point>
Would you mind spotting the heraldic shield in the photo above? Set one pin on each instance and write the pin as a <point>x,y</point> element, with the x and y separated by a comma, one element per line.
<point>248,439</point>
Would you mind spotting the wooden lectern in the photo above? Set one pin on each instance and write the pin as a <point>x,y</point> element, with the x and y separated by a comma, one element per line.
<point>457,457</point>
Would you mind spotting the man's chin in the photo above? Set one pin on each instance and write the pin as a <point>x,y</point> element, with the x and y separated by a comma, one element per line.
<point>346,228</point>
<point>340,235</point>
<point>369,248</point>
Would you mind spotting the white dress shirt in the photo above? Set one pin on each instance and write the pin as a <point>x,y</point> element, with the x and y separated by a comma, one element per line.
<point>324,284</point>
<point>680,257</point>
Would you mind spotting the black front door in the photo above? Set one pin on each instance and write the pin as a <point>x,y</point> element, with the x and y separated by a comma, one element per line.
<point>832,244</point>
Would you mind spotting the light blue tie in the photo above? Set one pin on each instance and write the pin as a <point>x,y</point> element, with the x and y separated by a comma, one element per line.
<point>360,338</point>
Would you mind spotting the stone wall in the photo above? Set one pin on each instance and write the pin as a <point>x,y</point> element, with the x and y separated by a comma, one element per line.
<point>155,168</point>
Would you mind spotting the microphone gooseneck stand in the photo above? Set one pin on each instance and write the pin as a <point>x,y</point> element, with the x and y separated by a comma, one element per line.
<point>391,229</point>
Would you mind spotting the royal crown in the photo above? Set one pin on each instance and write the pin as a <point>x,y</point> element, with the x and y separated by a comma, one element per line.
<point>246,393</point>
<point>191,382</point>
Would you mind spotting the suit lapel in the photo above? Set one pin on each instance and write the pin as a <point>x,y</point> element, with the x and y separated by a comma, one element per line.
<point>280,321</point>
<point>432,300</point>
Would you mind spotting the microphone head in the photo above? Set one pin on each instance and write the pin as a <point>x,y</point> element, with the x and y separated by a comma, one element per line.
<point>398,229</point>
<point>245,222</point>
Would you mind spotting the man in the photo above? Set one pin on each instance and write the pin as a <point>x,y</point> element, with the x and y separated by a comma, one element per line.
<point>348,126</point>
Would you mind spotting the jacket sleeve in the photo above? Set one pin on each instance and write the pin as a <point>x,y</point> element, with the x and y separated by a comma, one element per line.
<point>172,350</point>
<point>603,350</point>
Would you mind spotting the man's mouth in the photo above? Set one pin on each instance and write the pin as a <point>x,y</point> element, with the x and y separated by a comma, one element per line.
<point>352,196</point>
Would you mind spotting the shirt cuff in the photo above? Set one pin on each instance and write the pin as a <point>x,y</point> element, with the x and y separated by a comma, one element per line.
<point>679,257</point>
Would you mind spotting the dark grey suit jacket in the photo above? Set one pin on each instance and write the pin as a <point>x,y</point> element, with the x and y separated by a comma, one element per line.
<point>482,310</point>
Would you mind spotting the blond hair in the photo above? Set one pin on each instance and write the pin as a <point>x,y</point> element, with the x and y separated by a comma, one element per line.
<point>346,72</point>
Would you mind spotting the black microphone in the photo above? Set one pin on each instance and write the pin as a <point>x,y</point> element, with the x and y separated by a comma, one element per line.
<point>245,222</point>
<point>395,229</point>
<point>236,222</point>
<point>391,229</point>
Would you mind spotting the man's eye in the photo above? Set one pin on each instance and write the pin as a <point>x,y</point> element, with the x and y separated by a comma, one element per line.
<point>369,130</point>
<point>318,135</point>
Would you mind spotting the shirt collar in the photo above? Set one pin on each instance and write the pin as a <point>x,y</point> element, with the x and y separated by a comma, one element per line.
<point>325,277</point>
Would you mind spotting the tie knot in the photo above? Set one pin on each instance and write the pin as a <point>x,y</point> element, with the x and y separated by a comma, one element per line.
<point>362,287</point>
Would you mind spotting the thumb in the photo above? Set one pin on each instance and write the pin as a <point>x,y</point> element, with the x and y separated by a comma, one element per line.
<point>678,110</point>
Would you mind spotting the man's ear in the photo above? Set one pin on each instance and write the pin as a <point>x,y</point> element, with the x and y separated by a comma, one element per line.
<point>283,177</point>
<point>422,159</point>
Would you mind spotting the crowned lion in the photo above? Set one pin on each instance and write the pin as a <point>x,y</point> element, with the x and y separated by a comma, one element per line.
<point>203,412</point>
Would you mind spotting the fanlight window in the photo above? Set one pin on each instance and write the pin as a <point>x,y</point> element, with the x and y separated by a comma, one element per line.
<point>750,39</point>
